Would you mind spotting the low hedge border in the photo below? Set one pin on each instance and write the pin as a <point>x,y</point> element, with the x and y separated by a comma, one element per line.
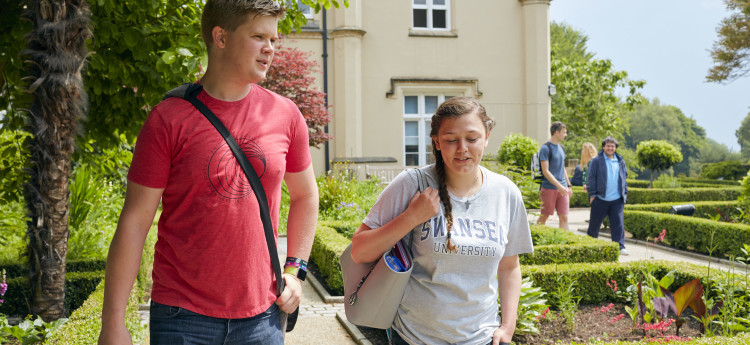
<point>576,249</point>
<point>84,324</point>
<point>703,209</point>
<point>326,250</point>
<point>17,269</point>
<point>330,243</point>
<point>78,287</point>
<point>592,278</point>
<point>580,198</point>
<point>689,233</point>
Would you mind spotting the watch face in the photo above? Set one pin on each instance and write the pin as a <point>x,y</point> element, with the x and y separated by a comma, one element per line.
<point>302,274</point>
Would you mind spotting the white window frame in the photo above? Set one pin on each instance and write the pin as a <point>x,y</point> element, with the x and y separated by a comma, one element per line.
<point>422,118</point>
<point>402,87</point>
<point>430,6</point>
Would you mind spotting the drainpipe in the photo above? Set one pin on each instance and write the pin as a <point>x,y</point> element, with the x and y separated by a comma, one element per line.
<point>325,83</point>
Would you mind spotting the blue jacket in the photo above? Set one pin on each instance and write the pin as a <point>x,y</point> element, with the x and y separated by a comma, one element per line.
<point>597,176</point>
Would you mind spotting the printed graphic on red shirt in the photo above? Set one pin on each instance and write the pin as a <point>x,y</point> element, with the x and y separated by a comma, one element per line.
<point>225,173</point>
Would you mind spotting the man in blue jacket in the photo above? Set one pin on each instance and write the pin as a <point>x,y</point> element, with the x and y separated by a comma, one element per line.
<point>608,191</point>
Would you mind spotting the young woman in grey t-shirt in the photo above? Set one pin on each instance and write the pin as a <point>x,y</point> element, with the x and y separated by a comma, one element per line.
<point>466,229</point>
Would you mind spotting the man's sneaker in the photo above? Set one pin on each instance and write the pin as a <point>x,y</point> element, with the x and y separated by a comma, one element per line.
<point>624,252</point>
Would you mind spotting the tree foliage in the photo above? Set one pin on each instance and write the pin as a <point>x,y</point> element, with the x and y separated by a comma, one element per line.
<point>569,42</point>
<point>731,51</point>
<point>586,99</point>
<point>654,121</point>
<point>657,155</point>
<point>290,75</point>
<point>743,136</point>
<point>141,49</point>
<point>727,170</point>
<point>516,150</point>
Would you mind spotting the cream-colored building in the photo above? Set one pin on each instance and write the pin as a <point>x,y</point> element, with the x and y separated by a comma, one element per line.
<point>391,62</point>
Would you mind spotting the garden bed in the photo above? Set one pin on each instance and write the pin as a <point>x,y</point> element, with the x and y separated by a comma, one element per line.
<point>591,324</point>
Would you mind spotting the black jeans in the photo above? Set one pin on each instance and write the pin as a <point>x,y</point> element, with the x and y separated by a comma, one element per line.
<point>397,340</point>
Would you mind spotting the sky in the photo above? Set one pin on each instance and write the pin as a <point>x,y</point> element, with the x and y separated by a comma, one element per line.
<point>666,43</point>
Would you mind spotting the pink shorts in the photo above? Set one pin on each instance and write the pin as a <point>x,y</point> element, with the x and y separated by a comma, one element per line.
<point>552,200</point>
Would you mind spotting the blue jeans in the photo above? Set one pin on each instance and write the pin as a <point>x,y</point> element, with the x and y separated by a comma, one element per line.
<point>178,326</point>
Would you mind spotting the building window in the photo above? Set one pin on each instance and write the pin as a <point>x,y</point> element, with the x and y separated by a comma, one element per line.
<point>430,14</point>
<point>306,10</point>
<point>418,111</point>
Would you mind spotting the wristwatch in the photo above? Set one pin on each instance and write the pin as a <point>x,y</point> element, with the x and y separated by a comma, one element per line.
<point>296,267</point>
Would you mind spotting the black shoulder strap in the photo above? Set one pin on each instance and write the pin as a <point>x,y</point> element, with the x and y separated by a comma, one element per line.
<point>189,92</point>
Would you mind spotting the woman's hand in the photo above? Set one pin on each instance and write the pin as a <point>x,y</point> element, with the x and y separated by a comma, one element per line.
<point>424,205</point>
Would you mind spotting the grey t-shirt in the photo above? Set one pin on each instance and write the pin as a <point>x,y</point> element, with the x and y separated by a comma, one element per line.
<point>451,297</point>
<point>556,158</point>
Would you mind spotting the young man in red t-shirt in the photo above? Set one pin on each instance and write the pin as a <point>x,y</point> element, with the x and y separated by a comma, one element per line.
<point>213,281</point>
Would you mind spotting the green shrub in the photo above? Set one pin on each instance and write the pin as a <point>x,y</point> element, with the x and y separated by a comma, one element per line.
<point>78,286</point>
<point>703,209</point>
<point>575,248</point>
<point>84,324</point>
<point>666,181</point>
<point>657,155</point>
<point>523,180</point>
<point>12,231</point>
<point>12,163</point>
<point>637,183</point>
<point>689,233</point>
<point>342,198</point>
<point>517,150</point>
<point>703,182</point>
<point>326,250</point>
<point>727,170</point>
<point>744,198</point>
<point>659,195</point>
<point>15,269</point>
<point>343,227</point>
<point>595,276</point>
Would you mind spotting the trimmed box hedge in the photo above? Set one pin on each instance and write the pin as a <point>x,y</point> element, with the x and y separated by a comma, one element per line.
<point>580,198</point>
<point>78,287</point>
<point>84,324</point>
<point>689,233</point>
<point>17,269</point>
<point>330,243</point>
<point>703,209</point>
<point>326,250</point>
<point>591,278</point>
<point>577,248</point>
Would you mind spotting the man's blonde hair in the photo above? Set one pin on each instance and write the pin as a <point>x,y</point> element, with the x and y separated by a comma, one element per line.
<point>230,14</point>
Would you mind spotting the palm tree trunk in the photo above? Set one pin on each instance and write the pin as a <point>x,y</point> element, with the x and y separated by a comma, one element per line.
<point>56,54</point>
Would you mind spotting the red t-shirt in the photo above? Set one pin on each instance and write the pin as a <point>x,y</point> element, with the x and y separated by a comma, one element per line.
<point>211,255</point>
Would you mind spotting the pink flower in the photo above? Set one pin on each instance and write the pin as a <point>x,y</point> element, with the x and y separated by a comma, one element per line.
<point>612,286</point>
<point>606,309</point>
<point>661,236</point>
<point>616,318</point>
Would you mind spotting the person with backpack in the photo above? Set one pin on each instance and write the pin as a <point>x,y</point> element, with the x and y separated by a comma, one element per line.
<point>555,189</point>
<point>213,281</point>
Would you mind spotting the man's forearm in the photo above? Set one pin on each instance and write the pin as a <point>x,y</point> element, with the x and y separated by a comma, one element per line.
<point>301,223</point>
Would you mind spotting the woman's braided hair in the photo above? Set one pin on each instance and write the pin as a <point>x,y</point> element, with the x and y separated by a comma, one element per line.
<point>453,108</point>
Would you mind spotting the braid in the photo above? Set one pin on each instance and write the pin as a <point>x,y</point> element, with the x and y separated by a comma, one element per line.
<point>453,108</point>
<point>444,197</point>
